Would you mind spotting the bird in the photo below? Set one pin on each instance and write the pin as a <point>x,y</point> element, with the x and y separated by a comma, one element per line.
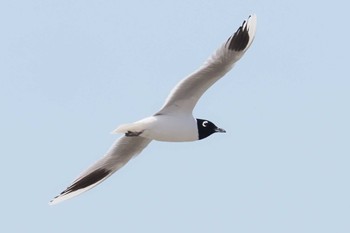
<point>174,122</point>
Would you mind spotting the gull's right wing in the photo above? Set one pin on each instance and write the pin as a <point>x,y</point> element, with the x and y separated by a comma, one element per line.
<point>185,95</point>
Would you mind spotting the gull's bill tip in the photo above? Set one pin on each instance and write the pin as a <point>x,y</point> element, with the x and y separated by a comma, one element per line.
<point>220,130</point>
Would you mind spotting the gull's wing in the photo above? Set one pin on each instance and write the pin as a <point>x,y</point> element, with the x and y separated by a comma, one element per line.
<point>117,156</point>
<point>185,95</point>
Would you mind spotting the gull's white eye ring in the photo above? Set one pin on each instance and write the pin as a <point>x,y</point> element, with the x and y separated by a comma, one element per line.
<point>204,124</point>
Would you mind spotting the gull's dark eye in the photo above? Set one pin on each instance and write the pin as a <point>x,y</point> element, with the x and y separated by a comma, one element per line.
<point>204,124</point>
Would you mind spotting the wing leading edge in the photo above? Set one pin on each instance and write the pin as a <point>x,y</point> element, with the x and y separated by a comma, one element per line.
<point>117,156</point>
<point>185,95</point>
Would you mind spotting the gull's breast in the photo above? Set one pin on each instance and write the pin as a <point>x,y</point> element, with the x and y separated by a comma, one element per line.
<point>171,128</point>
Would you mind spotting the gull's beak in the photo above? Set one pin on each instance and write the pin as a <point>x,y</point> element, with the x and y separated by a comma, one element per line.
<point>220,130</point>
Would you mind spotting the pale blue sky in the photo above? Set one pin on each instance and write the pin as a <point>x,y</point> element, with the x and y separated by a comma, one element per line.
<point>71,71</point>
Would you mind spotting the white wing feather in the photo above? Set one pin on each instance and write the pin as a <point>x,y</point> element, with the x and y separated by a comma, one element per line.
<point>184,96</point>
<point>117,156</point>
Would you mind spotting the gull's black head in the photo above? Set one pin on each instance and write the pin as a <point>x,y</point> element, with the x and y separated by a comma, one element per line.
<point>207,128</point>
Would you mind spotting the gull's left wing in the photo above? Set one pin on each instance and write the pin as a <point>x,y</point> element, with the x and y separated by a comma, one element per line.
<point>117,156</point>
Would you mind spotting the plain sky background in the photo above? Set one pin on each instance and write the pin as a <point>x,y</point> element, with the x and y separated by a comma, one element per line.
<point>72,71</point>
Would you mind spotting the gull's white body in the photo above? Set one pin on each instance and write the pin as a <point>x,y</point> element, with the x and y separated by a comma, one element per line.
<point>174,122</point>
<point>169,128</point>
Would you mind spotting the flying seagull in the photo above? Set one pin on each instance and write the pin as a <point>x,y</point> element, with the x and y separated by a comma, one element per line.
<point>174,122</point>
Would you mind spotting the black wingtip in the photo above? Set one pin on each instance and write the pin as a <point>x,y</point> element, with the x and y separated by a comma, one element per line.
<point>88,180</point>
<point>240,39</point>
